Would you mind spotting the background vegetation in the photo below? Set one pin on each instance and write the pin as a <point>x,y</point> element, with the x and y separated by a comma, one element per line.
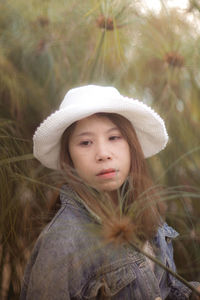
<point>48,47</point>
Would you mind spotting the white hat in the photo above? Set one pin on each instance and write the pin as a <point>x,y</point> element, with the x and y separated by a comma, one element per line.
<point>84,101</point>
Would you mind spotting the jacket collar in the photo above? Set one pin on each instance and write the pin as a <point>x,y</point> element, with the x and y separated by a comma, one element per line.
<point>69,197</point>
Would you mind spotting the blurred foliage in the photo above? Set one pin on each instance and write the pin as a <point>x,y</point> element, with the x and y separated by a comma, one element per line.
<point>46,48</point>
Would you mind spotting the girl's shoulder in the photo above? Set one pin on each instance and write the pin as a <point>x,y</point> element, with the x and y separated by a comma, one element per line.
<point>164,237</point>
<point>71,213</point>
<point>167,231</point>
<point>69,227</point>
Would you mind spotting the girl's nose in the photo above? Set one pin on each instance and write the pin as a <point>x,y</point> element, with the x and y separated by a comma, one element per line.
<point>103,154</point>
<point>103,157</point>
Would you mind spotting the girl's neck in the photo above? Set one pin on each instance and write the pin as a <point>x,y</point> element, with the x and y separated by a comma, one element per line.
<point>114,197</point>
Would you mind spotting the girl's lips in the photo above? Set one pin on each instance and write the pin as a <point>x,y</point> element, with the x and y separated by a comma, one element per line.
<point>107,173</point>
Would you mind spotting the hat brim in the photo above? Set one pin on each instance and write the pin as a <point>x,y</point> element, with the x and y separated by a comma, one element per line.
<point>149,127</point>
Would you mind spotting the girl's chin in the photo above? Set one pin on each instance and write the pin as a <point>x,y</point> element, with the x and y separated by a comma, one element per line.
<point>110,188</point>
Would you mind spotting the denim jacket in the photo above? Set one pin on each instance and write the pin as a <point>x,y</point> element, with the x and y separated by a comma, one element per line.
<point>70,262</point>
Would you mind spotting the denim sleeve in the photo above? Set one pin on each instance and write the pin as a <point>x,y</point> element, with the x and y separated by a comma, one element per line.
<point>177,290</point>
<point>44,278</point>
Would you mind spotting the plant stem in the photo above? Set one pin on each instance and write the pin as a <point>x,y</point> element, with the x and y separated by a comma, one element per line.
<point>97,55</point>
<point>16,159</point>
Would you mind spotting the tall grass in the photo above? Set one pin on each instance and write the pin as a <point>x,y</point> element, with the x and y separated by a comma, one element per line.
<point>48,47</point>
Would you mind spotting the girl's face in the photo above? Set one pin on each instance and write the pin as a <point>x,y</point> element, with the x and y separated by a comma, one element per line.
<point>99,153</point>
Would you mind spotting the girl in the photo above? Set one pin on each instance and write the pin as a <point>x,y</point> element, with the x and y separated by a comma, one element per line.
<point>100,140</point>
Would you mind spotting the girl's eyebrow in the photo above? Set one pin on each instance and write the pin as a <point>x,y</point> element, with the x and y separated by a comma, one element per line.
<point>93,133</point>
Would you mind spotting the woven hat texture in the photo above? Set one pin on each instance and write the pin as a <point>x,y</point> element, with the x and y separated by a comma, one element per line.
<point>84,101</point>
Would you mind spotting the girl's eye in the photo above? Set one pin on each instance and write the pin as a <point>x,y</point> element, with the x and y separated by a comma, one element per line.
<point>114,137</point>
<point>85,143</point>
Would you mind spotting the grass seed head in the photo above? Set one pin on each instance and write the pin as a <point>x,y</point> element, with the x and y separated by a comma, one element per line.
<point>105,23</point>
<point>118,230</point>
<point>174,59</point>
<point>43,21</point>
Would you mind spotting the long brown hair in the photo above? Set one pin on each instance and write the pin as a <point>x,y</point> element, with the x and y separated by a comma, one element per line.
<point>138,188</point>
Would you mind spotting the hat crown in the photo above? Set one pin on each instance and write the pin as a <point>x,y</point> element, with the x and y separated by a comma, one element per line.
<point>89,93</point>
